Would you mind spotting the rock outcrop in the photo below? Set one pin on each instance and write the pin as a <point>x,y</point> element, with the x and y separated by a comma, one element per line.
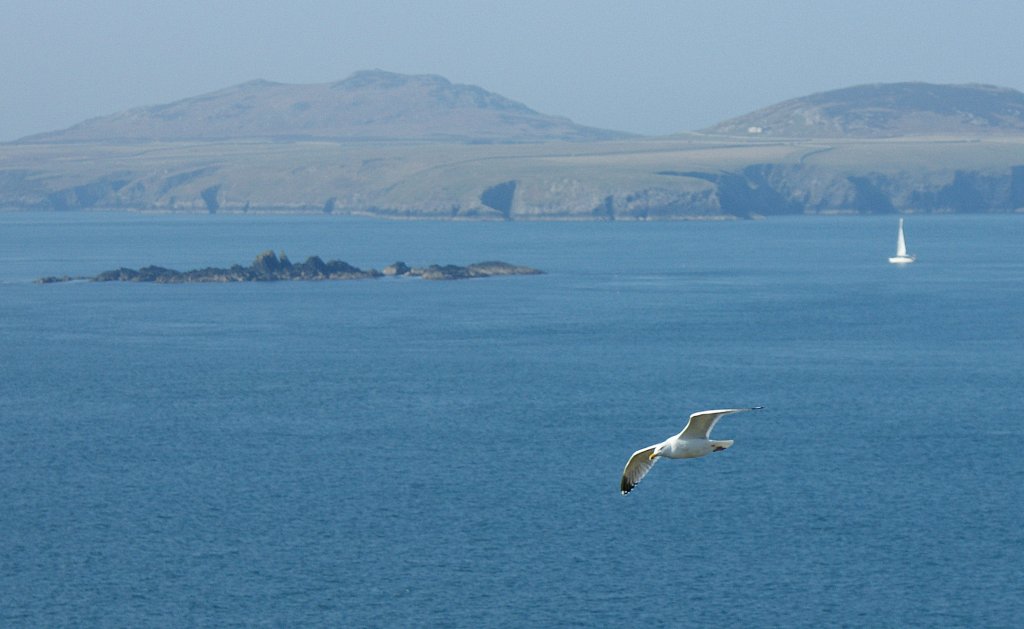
<point>480,269</point>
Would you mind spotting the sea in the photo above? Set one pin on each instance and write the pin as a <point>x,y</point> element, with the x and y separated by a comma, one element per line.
<point>406,453</point>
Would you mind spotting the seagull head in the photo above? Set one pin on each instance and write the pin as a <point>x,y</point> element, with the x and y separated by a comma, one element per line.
<point>657,452</point>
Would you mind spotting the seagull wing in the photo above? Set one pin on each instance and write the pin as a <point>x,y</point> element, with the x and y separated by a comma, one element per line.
<point>701,422</point>
<point>637,467</point>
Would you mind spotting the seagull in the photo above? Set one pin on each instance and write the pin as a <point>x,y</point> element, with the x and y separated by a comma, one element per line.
<point>691,443</point>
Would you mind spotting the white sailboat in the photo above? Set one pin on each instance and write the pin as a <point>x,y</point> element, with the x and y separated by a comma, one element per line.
<point>901,256</point>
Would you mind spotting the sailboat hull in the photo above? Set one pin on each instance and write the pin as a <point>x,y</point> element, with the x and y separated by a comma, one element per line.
<point>901,259</point>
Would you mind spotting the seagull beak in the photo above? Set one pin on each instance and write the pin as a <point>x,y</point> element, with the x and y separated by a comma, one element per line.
<point>653,456</point>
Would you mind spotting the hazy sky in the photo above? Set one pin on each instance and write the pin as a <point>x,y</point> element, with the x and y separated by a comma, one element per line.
<point>653,67</point>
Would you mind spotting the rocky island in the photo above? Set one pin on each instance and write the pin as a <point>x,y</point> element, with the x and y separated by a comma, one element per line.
<point>268,267</point>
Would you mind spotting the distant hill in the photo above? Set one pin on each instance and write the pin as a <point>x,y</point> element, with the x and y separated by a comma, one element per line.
<point>887,110</point>
<point>369,106</point>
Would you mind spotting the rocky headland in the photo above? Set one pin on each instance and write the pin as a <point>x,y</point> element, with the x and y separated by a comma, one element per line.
<point>269,267</point>
<point>393,146</point>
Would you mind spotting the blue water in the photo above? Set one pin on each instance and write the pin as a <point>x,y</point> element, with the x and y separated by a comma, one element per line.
<point>409,453</point>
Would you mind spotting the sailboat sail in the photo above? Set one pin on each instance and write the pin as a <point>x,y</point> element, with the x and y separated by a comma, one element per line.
<point>901,244</point>
<point>901,256</point>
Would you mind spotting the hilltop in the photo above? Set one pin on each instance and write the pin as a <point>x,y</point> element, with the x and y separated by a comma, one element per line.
<point>885,110</point>
<point>367,106</point>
